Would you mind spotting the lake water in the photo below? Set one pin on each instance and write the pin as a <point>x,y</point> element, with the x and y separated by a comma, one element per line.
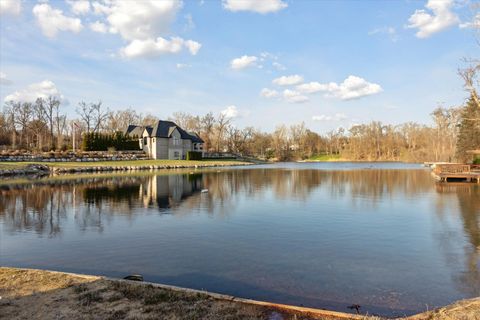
<point>384,236</point>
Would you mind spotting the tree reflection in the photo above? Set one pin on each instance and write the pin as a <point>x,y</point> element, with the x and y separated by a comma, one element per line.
<point>91,204</point>
<point>468,196</point>
<point>94,201</point>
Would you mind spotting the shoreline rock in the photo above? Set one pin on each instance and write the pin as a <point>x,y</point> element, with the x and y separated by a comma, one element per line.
<point>43,170</point>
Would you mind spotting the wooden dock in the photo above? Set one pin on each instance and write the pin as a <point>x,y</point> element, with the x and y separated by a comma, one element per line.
<point>455,172</point>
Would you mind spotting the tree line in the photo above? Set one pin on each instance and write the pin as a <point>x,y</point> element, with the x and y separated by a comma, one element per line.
<point>43,126</point>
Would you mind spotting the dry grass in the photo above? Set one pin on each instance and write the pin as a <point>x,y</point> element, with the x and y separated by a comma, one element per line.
<point>35,294</point>
<point>461,310</point>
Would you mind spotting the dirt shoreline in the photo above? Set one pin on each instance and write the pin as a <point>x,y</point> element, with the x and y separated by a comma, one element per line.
<point>40,294</point>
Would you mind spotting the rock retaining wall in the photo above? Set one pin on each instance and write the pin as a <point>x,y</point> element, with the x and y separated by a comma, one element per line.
<point>71,156</point>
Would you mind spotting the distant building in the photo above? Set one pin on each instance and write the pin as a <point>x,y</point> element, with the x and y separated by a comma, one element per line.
<point>165,140</point>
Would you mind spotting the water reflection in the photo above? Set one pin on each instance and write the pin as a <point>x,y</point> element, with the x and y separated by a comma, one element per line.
<point>318,237</point>
<point>468,202</point>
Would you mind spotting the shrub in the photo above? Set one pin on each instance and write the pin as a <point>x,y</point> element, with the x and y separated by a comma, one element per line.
<point>194,155</point>
<point>104,142</point>
<point>476,161</point>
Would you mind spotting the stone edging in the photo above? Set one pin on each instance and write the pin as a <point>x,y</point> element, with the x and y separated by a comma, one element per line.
<point>41,170</point>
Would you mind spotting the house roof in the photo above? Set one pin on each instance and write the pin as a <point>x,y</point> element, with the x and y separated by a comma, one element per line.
<point>163,129</point>
<point>149,130</point>
<point>133,130</point>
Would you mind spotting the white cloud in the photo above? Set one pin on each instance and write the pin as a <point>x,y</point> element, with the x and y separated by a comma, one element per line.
<point>100,9</point>
<point>230,112</point>
<point>429,23</point>
<point>13,7</point>
<point>389,31</point>
<point>288,80</point>
<point>293,96</point>
<point>151,48</point>
<point>474,24</point>
<point>141,20</point>
<point>336,117</point>
<point>79,7</point>
<point>278,66</point>
<point>144,24</point>
<point>42,89</point>
<point>182,65</point>
<point>99,27</point>
<point>52,20</point>
<point>312,87</point>
<point>189,25</point>
<point>351,88</point>
<point>268,93</point>
<point>4,80</point>
<point>243,62</point>
<point>262,6</point>
<point>193,46</point>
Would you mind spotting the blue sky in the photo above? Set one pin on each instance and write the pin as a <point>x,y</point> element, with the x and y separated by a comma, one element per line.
<point>336,62</point>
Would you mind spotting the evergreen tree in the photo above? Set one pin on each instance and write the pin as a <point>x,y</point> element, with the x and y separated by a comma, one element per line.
<point>469,131</point>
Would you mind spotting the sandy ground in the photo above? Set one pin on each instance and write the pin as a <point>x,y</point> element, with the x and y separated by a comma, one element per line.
<point>36,294</point>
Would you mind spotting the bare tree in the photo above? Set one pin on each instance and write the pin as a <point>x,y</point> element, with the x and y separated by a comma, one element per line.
<point>93,115</point>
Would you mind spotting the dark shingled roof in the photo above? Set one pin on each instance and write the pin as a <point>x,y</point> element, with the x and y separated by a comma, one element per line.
<point>149,130</point>
<point>163,129</point>
<point>134,130</point>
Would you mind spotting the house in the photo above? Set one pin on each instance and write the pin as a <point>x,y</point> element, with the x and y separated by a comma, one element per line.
<point>165,140</point>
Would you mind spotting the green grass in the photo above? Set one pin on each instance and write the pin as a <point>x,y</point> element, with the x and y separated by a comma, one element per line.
<point>325,157</point>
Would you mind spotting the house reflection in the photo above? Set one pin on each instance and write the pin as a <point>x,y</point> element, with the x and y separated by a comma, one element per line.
<point>168,191</point>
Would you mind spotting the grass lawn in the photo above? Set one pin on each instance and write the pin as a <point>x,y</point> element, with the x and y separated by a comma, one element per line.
<point>17,165</point>
<point>325,157</point>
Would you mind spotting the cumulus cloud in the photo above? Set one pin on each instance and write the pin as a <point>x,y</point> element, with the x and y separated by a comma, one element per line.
<point>99,27</point>
<point>143,24</point>
<point>4,80</point>
<point>440,18</point>
<point>13,7</point>
<point>312,87</point>
<point>146,19</point>
<point>151,48</point>
<point>42,89</point>
<point>230,112</point>
<point>263,6</point>
<point>193,46</point>
<point>336,117</point>
<point>100,9</point>
<point>243,62</point>
<point>52,20</point>
<point>293,96</point>
<point>269,93</point>
<point>79,7</point>
<point>351,88</point>
<point>288,80</point>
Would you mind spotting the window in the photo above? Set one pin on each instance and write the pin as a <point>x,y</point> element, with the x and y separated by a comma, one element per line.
<point>176,154</point>
<point>176,141</point>
<point>145,141</point>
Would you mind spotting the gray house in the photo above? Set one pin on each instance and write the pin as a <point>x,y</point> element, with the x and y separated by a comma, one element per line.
<point>165,140</point>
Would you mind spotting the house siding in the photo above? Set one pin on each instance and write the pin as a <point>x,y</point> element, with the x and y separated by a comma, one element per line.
<point>173,147</point>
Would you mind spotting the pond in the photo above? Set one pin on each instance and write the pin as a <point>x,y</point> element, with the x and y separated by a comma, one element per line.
<point>384,236</point>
